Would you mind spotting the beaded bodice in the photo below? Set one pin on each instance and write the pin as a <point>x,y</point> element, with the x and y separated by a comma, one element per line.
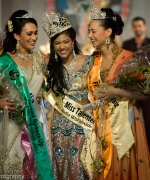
<point>116,51</point>
<point>33,74</point>
<point>77,82</point>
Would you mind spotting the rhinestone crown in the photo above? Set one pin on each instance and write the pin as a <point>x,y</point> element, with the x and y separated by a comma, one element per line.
<point>98,14</point>
<point>54,23</point>
<point>28,15</point>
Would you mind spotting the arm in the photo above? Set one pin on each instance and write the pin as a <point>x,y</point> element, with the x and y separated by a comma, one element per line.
<point>111,92</point>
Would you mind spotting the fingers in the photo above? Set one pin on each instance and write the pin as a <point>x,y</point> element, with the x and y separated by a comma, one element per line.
<point>11,108</point>
<point>9,103</point>
<point>9,100</point>
<point>102,96</point>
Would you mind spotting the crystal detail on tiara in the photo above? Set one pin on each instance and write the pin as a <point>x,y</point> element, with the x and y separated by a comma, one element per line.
<point>98,14</point>
<point>28,15</point>
<point>54,23</point>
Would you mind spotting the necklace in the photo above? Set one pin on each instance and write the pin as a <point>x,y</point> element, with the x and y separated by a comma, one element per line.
<point>72,65</point>
<point>116,51</point>
<point>25,57</point>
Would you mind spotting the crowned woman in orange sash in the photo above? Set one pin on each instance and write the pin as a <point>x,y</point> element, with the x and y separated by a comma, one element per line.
<point>122,151</point>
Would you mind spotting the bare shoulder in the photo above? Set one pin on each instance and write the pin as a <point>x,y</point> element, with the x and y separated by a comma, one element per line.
<point>81,57</point>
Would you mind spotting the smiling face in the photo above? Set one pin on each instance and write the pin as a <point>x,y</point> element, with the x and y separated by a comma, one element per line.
<point>63,46</point>
<point>98,34</point>
<point>27,37</point>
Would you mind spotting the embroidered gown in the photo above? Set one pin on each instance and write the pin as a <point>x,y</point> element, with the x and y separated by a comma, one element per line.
<point>10,137</point>
<point>67,137</point>
<point>136,164</point>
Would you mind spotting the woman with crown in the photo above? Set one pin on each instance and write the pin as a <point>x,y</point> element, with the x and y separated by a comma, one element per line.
<point>23,149</point>
<point>121,151</point>
<point>67,91</point>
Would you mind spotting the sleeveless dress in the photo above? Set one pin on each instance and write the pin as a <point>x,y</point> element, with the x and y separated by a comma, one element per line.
<point>67,137</point>
<point>135,163</point>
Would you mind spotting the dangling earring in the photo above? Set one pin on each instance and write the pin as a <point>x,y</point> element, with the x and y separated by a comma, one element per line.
<point>74,54</point>
<point>56,57</point>
<point>107,42</point>
<point>17,46</point>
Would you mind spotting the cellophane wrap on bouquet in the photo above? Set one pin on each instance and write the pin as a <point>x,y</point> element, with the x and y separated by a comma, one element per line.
<point>134,73</point>
<point>7,90</point>
<point>2,37</point>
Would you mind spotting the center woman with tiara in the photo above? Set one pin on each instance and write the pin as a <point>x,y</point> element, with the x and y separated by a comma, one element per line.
<point>66,86</point>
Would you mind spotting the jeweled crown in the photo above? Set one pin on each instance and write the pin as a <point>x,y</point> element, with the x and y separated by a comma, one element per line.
<point>54,23</point>
<point>28,15</point>
<point>98,14</point>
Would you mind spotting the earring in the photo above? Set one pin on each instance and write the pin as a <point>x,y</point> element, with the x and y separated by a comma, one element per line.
<point>74,54</point>
<point>56,57</point>
<point>17,46</point>
<point>107,42</point>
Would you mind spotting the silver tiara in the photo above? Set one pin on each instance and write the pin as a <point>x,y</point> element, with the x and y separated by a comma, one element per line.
<point>54,23</point>
<point>28,15</point>
<point>98,14</point>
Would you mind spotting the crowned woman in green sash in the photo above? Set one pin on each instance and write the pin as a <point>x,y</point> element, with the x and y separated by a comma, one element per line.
<point>67,92</point>
<point>23,149</point>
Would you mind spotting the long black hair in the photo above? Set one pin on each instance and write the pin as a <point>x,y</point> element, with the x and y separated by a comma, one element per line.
<point>112,21</point>
<point>56,80</point>
<point>9,43</point>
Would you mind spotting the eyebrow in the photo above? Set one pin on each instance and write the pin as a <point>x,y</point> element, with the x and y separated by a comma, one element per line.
<point>92,29</point>
<point>62,40</point>
<point>32,31</point>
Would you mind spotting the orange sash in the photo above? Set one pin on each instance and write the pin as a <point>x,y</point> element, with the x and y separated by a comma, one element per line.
<point>93,82</point>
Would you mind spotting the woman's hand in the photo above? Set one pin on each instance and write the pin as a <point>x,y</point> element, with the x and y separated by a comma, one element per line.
<point>7,102</point>
<point>106,94</point>
<point>110,92</point>
<point>45,58</point>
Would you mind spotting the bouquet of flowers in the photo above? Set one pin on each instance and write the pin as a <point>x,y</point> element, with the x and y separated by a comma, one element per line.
<point>7,90</point>
<point>134,74</point>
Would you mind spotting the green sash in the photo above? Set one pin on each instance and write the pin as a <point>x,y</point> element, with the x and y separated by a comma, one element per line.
<point>16,78</point>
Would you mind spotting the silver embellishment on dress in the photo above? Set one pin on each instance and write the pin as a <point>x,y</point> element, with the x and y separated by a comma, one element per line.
<point>36,67</point>
<point>71,65</point>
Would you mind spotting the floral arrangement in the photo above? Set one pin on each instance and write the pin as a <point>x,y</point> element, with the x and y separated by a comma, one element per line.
<point>9,91</point>
<point>134,75</point>
<point>137,81</point>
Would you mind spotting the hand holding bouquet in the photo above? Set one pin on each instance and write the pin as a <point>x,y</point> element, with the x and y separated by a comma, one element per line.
<point>134,74</point>
<point>7,90</point>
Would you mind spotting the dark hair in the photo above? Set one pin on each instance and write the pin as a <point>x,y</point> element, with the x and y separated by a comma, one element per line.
<point>112,21</point>
<point>9,43</point>
<point>56,80</point>
<point>139,19</point>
